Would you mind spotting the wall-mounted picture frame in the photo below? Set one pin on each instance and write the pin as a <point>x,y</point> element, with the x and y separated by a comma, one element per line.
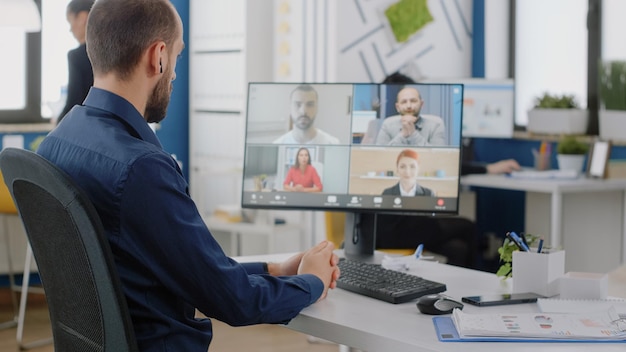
<point>599,154</point>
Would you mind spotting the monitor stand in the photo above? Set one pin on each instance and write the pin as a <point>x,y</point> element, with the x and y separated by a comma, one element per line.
<point>360,237</point>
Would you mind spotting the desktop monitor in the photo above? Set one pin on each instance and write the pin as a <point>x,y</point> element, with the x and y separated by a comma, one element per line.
<point>488,106</point>
<point>345,147</point>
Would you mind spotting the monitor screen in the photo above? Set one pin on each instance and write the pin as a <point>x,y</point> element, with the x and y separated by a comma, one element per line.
<point>488,106</point>
<point>357,148</point>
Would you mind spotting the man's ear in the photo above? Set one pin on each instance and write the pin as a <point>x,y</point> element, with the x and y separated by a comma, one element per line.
<point>157,54</point>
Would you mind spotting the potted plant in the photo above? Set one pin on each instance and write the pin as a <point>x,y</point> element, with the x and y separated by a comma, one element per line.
<point>557,114</point>
<point>612,113</point>
<point>571,153</point>
<point>506,255</point>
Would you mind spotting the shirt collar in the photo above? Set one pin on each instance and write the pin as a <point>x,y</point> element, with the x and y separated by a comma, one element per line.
<point>410,193</point>
<point>122,109</point>
<point>419,123</point>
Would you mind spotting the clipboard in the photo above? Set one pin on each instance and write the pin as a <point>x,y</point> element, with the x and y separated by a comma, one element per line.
<point>446,332</point>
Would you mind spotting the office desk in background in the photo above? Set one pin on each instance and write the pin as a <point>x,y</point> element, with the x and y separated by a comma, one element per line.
<point>584,216</point>
<point>244,238</point>
<point>376,326</point>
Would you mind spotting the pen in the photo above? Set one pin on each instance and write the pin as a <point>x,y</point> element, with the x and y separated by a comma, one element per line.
<point>540,246</point>
<point>508,235</point>
<point>519,242</point>
<point>523,237</point>
<point>418,251</point>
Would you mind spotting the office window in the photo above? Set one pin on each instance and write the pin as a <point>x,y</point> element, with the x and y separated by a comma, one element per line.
<point>13,91</point>
<point>613,27</point>
<point>56,41</point>
<point>550,53</point>
<point>33,88</point>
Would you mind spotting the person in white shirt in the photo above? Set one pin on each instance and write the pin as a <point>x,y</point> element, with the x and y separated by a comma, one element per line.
<point>304,103</point>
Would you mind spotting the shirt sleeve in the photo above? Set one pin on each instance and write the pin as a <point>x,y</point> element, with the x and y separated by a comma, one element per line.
<point>289,177</point>
<point>315,178</point>
<point>179,256</point>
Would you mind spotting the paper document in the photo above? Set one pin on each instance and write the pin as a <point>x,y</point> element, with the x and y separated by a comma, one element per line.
<point>552,326</point>
<point>557,305</point>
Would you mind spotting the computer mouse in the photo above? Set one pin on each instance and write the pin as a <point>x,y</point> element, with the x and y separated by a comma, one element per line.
<point>437,304</point>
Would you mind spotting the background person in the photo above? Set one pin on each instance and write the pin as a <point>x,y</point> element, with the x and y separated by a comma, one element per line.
<point>407,167</point>
<point>169,263</point>
<point>410,127</point>
<point>302,176</point>
<point>455,237</point>
<point>80,75</point>
<point>303,111</point>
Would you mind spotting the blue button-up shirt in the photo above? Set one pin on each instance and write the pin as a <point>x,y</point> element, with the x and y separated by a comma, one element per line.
<point>167,259</point>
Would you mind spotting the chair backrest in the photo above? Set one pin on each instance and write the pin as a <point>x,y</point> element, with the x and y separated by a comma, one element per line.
<point>87,307</point>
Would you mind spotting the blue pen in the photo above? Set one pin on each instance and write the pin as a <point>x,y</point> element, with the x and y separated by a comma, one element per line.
<point>519,241</point>
<point>418,251</point>
<point>540,246</point>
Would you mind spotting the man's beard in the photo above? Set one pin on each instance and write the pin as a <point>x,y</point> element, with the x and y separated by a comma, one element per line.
<point>156,107</point>
<point>303,122</point>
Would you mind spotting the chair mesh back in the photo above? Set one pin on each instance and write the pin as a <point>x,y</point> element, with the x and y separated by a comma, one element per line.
<point>64,269</point>
<point>87,308</point>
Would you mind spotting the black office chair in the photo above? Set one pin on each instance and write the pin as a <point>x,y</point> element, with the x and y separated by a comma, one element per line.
<point>87,308</point>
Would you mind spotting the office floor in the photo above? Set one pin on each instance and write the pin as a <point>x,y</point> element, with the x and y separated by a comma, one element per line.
<point>261,338</point>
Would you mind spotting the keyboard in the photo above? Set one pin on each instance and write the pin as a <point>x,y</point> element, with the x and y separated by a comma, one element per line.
<point>372,280</point>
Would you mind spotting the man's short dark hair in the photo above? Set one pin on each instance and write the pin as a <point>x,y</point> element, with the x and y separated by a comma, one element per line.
<point>304,88</point>
<point>398,77</point>
<point>78,6</point>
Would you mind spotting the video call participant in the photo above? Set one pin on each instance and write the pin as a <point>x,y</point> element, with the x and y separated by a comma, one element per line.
<point>302,176</point>
<point>303,111</point>
<point>80,74</point>
<point>410,127</point>
<point>407,168</point>
<point>169,263</point>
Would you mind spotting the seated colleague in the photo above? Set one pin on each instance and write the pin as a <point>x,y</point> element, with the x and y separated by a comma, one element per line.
<point>453,237</point>
<point>303,102</point>
<point>168,261</point>
<point>410,127</point>
<point>407,168</point>
<point>302,176</point>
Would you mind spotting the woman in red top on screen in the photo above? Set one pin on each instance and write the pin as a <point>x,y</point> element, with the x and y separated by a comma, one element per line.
<point>302,176</point>
<point>407,168</point>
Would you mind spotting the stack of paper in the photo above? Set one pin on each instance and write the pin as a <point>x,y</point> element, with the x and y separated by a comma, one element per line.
<point>603,326</point>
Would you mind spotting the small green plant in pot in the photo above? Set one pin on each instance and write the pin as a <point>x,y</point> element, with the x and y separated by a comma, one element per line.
<point>570,145</point>
<point>571,153</point>
<point>550,101</point>
<point>557,114</point>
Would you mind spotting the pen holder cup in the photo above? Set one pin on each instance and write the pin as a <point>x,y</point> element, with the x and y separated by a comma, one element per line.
<point>538,272</point>
<point>542,162</point>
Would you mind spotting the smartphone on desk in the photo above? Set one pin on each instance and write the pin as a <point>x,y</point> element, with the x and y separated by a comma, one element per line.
<point>501,299</point>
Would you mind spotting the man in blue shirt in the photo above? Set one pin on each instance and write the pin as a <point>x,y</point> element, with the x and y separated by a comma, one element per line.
<point>168,261</point>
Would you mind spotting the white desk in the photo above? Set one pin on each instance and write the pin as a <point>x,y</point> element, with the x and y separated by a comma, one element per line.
<point>584,216</point>
<point>375,326</point>
<point>271,238</point>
